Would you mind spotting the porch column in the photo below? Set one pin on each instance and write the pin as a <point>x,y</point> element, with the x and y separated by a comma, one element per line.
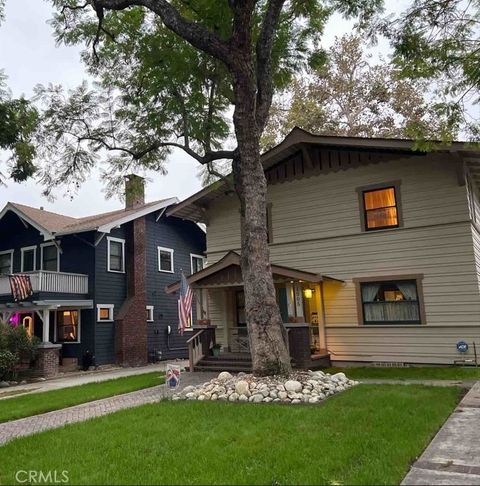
<point>46,325</point>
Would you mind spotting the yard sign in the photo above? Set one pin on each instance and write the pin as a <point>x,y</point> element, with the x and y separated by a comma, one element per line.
<point>173,375</point>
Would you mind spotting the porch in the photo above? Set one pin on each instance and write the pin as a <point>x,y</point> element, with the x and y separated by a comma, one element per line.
<point>51,282</point>
<point>54,323</point>
<point>222,324</point>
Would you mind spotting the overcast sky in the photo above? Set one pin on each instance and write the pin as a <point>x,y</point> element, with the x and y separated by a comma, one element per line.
<point>28,56</point>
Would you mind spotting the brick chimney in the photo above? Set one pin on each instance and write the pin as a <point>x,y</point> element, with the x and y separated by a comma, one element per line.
<point>131,322</point>
<point>134,191</point>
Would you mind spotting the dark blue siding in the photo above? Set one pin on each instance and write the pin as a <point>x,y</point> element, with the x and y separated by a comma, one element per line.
<point>110,288</point>
<point>184,237</point>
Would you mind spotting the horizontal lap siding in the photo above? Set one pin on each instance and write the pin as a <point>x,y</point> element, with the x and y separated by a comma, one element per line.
<point>425,344</point>
<point>110,288</point>
<point>184,237</point>
<point>316,227</point>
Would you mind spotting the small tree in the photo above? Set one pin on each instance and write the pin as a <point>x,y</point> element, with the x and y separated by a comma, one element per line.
<point>351,96</point>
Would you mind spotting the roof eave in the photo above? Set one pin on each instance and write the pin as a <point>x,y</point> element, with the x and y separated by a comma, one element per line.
<point>47,235</point>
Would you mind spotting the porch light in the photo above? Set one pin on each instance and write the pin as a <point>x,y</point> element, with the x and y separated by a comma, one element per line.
<point>308,293</point>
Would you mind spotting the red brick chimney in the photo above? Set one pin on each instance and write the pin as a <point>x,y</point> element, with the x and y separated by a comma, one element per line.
<point>134,191</point>
<point>131,322</point>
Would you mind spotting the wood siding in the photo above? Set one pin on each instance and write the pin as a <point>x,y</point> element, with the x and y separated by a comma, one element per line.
<point>316,228</point>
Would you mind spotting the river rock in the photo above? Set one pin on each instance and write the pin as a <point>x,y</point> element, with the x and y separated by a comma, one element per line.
<point>293,386</point>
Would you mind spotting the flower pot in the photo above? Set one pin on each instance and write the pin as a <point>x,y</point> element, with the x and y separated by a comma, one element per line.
<point>216,351</point>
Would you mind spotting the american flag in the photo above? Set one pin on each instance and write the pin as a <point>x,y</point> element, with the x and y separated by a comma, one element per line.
<point>184,305</point>
<point>21,287</point>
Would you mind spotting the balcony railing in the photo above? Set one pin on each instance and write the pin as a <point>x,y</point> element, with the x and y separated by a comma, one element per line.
<point>54,282</point>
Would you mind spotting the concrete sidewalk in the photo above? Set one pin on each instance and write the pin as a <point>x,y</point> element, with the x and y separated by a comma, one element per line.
<point>453,456</point>
<point>82,378</point>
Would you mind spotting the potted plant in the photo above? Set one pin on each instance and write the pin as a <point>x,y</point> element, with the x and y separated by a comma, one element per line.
<point>216,350</point>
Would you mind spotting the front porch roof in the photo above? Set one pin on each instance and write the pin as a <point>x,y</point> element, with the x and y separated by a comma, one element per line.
<point>26,306</point>
<point>227,273</point>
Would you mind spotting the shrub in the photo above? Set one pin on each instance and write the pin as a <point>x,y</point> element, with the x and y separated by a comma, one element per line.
<point>15,346</point>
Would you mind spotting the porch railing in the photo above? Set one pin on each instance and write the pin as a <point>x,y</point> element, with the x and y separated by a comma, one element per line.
<point>54,282</point>
<point>199,345</point>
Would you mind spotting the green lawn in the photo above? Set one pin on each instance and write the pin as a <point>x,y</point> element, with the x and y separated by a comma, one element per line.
<point>413,373</point>
<point>367,435</point>
<point>35,403</point>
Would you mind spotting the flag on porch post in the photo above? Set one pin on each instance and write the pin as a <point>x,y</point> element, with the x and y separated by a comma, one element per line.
<point>184,304</point>
<point>21,287</point>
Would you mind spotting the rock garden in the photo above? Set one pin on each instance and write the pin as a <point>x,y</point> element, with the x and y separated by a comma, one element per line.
<point>300,387</point>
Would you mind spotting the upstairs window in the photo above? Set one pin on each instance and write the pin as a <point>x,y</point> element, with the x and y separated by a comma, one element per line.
<point>165,260</point>
<point>116,255</point>
<point>6,262</point>
<point>380,209</point>
<point>50,258</point>
<point>391,302</point>
<point>197,263</point>
<point>29,259</point>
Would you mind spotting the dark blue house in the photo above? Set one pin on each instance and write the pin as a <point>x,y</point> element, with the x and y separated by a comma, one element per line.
<point>99,281</point>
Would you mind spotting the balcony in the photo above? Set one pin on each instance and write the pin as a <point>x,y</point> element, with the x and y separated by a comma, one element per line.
<point>52,282</point>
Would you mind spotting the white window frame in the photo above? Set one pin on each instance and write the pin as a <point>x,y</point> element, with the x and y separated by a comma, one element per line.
<point>25,249</point>
<point>10,252</point>
<point>42,246</point>
<point>110,308</point>
<point>117,240</point>
<point>79,336</point>
<point>168,250</point>
<point>194,255</point>
<point>150,313</point>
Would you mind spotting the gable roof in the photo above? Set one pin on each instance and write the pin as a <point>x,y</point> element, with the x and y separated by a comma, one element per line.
<point>193,207</point>
<point>51,224</point>
<point>220,274</point>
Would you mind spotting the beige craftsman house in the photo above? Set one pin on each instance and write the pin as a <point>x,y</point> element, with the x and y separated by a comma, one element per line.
<point>375,249</point>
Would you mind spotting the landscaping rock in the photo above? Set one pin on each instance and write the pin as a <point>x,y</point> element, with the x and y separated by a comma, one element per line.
<point>298,388</point>
<point>224,375</point>
<point>241,387</point>
<point>293,386</point>
<point>4,384</point>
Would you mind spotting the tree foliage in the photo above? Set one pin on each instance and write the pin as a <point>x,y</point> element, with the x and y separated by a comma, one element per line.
<point>351,96</point>
<point>440,40</point>
<point>18,121</point>
<point>154,91</point>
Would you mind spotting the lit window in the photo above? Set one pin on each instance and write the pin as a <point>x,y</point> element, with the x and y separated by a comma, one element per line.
<point>149,313</point>
<point>390,302</point>
<point>50,258</point>
<point>380,208</point>
<point>6,262</point>
<point>116,255</point>
<point>29,257</point>
<point>105,312</point>
<point>165,260</point>
<point>197,262</point>
<point>67,326</point>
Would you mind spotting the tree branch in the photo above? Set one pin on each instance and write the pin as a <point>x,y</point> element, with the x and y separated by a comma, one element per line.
<point>264,61</point>
<point>193,32</point>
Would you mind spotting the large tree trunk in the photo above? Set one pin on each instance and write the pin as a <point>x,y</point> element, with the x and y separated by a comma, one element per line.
<point>266,331</point>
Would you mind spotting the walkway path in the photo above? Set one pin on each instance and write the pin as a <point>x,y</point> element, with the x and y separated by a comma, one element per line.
<point>82,378</point>
<point>79,413</point>
<point>453,457</point>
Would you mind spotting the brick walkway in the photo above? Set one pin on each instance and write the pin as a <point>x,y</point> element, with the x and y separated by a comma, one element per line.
<point>79,413</point>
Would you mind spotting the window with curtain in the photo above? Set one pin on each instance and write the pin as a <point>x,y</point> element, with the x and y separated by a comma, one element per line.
<point>393,302</point>
<point>6,263</point>
<point>67,326</point>
<point>380,206</point>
